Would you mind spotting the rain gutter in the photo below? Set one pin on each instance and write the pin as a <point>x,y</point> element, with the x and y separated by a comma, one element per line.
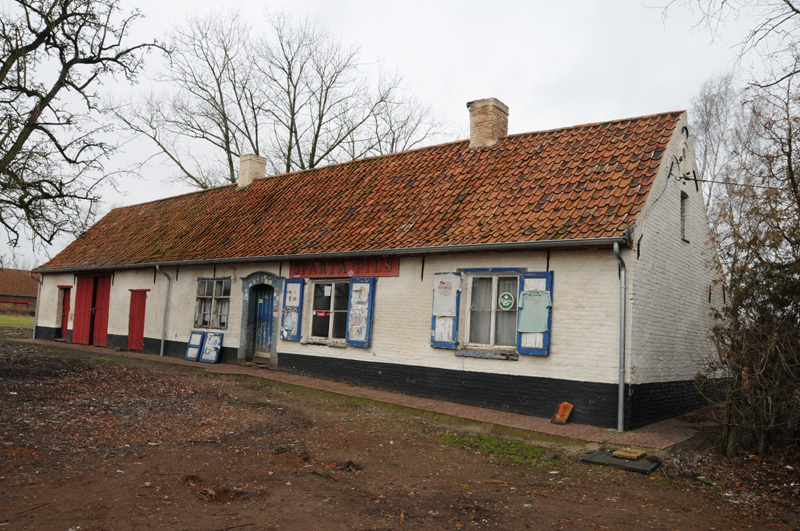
<point>623,281</point>
<point>479,247</point>
<point>39,282</point>
<point>166,309</point>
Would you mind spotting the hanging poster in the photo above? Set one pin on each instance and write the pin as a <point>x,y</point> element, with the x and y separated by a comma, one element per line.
<point>445,290</point>
<point>211,347</point>
<point>359,312</point>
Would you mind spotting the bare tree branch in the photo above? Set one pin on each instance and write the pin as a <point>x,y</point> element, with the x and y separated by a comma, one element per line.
<point>50,154</point>
<point>294,95</point>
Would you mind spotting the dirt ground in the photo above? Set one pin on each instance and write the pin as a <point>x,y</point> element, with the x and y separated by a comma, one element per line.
<point>90,442</point>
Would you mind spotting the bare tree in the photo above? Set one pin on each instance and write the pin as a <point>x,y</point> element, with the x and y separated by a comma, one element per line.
<point>294,95</point>
<point>55,53</point>
<point>774,38</point>
<point>747,144</point>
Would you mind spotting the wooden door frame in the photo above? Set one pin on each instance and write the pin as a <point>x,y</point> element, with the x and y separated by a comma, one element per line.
<point>245,352</point>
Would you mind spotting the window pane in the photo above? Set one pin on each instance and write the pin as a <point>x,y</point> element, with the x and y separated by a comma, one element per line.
<point>201,288</point>
<point>506,330</point>
<point>507,285</point>
<point>340,300</point>
<point>209,287</point>
<point>482,293</point>
<point>226,288</point>
<point>322,298</point>
<point>205,312</point>
<point>222,313</point>
<point>320,323</point>
<point>479,326</point>
<point>340,325</point>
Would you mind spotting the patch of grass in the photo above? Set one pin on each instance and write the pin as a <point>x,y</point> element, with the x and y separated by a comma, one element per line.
<point>513,451</point>
<point>101,359</point>
<point>16,320</point>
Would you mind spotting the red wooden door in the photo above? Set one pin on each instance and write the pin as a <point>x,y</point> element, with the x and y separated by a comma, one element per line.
<point>82,322</point>
<point>101,297</point>
<point>136,319</point>
<point>65,312</point>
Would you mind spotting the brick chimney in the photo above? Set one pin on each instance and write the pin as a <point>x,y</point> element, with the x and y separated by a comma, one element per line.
<point>251,167</point>
<point>488,122</point>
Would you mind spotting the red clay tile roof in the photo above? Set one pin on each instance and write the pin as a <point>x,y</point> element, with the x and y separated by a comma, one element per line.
<point>580,182</point>
<point>17,283</point>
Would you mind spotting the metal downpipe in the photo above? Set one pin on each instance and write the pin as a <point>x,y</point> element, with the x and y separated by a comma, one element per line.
<point>166,310</point>
<point>623,301</point>
<point>39,282</point>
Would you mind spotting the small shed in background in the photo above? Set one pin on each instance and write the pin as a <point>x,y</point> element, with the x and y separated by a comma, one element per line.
<point>17,291</point>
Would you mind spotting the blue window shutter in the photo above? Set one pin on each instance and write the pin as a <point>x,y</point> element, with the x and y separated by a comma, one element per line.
<point>360,305</point>
<point>194,345</point>
<point>292,309</point>
<point>444,329</point>
<point>532,343</point>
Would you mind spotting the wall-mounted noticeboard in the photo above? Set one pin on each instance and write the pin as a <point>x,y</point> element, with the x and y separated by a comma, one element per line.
<point>211,347</point>
<point>195,345</point>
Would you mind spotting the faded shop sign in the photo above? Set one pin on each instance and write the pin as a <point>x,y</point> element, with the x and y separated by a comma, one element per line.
<point>382,266</point>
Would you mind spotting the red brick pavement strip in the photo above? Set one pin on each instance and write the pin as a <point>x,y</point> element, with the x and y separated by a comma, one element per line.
<point>660,435</point>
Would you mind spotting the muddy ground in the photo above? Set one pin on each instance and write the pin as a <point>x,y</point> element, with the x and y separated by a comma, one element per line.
<point>106,442</point>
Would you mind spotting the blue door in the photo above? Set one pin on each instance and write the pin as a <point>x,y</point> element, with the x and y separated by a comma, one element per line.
<point>263,321</point>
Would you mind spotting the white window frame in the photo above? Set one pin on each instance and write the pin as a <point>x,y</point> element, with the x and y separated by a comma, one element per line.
<point>495,276</point>
<point>218,302</point>
<point>331,310</point>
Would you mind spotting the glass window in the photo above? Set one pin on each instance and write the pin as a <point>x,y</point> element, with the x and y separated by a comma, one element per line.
<point>329,316</point>
<point>213,302</point>
<point>493,310</point>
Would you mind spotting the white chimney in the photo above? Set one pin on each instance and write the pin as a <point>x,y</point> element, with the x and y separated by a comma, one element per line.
<point>488,122</point>
<point>251,167</point>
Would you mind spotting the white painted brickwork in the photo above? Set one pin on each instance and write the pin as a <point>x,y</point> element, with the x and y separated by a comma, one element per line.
<point>49,310</point>
<point>669,283</point>
<point>585,313</point>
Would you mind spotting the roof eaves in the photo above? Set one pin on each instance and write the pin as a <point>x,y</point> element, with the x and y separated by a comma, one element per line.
<point>607,241</point>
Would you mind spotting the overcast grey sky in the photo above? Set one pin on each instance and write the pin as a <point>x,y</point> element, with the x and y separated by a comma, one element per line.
<point>553,63</point>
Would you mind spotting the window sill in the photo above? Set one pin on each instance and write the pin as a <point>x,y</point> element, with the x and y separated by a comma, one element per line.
<point>488,355</point>
<point>325,342</point>
<point>198,327</point>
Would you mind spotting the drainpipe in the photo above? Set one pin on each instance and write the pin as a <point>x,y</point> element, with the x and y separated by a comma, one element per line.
<point>166,310</point>
<point>38,293</point>
<point>623,281</point>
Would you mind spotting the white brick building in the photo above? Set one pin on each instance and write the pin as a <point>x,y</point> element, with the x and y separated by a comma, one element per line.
<point>406,271</point>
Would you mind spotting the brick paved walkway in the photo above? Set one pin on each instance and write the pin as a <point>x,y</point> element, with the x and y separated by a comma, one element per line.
<point>660,435</point>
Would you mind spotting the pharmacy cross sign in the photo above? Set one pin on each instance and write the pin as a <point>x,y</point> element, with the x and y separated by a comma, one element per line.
<point>505,301</point>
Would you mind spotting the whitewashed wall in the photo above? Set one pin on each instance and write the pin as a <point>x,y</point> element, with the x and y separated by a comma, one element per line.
<point>49,310</point>
<point>669,282</point>
<point>585,315</point>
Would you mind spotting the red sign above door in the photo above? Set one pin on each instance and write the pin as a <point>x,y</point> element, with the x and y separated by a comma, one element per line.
<point>382,266</point>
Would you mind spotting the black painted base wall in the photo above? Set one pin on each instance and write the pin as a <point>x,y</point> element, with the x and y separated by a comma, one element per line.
<point>651,402</point>
<point>594,404</point>
<point>174,349</point>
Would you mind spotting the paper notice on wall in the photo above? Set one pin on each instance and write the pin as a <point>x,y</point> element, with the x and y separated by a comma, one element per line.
<point>445,290</point>
<point>289,323</point>
<point>358,314</point>
<point>292,294</point>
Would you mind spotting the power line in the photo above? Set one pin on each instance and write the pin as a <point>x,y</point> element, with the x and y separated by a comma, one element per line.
<point>734,184</point>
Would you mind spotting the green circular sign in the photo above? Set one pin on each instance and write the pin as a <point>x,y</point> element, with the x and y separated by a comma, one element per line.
<point>505,301</point>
